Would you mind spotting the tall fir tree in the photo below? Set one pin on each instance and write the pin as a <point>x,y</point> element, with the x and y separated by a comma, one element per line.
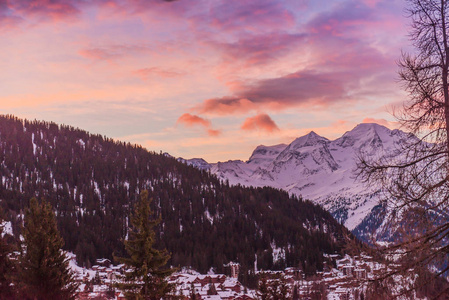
<point>7,267</point>
<point>44,271</point>
<point>147,276</point>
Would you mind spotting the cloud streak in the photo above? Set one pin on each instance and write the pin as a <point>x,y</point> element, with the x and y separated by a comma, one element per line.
<point>306,88</point>
<point>99,54</point>
<point>147,73</point>
<point>56,10</point>
<point>251,16</point>
<point>262,49</point>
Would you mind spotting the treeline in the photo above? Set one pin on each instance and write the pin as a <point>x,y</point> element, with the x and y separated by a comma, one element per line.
<point>93,182</point>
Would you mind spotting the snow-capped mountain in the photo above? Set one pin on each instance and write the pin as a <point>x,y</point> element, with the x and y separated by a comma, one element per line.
<point>318,169</point>
<point>198,163</point>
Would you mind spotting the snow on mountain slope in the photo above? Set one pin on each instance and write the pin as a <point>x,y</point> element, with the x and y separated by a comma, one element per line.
<point>319,169</point>
<point>264,155</point>
<point>197,163</point>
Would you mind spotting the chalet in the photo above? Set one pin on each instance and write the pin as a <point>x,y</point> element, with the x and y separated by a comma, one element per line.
<point>104,262</point>
<point>360,273</point>
<point>342,262</point>
<point>342,294</point>
<point>234,269</point>
<point>348,271</point>
<point>296,272</point>
<point>231,285</point>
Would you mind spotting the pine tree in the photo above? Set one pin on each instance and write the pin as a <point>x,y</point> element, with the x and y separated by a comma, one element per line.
<point>6,265</point>
<point>212,290</point>
<point>147,278</point>
<point>44,271</point>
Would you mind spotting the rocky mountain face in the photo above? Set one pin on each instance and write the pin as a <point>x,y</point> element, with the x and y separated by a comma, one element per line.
<point>321,170</point>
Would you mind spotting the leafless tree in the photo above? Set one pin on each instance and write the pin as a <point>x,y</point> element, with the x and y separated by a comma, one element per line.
<point>416,177</point>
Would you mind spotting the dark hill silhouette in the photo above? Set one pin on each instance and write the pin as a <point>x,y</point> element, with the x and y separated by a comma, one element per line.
<point>93,181</point>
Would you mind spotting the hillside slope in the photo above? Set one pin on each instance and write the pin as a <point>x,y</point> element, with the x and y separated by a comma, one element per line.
<point>92,182</point>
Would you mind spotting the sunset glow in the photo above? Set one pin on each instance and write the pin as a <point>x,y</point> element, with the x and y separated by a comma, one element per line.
<point>203,78</point>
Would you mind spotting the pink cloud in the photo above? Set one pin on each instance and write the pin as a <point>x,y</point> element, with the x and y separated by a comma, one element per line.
<point>192,120</point>
<point>112,52</point>
<point>359,19</point>
<point>158,9</point>
<point>225,106</point>
<point>342,67</point>
<point>260,122</point>
<point>344,17</point>
<point>55,10</point>
<point>253,16</point>
<point>147,73</point>
<point>296,89</point>
<point>98,54</point>
<point>260,49</point>
<point>43,11</point>
<point>7,17</point>
<point>213,132</point>
<point>340,36</point>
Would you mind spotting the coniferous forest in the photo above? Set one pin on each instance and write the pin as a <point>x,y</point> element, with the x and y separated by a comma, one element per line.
<point>93,182</point>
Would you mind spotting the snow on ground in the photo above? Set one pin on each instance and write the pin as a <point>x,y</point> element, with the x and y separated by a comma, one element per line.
<point>80,271</point>
<point>7,228</point>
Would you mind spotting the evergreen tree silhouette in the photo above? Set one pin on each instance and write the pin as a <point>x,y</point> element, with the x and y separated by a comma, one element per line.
<point>44,271</point>
<point>147,276</point>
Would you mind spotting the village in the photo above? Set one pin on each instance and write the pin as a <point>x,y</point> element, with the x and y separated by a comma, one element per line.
<point>345,279</point>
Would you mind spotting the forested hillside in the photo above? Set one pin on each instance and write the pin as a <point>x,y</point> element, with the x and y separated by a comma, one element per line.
<point>92,182</point>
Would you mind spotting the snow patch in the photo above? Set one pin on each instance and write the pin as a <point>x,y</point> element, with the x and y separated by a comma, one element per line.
<point>7,228</point>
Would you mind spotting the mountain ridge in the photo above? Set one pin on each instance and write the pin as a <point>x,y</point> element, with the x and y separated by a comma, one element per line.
<point>321,170</point>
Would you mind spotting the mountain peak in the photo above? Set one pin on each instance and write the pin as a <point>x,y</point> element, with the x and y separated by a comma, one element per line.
<point>364,130</point>
<point>309,139</point>
<point>370,126</point>
<point>365,133</point>
<point>263,152</point>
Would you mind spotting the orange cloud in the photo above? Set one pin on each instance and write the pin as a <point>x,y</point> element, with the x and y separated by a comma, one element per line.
<point>260,122</point>
<point>213,132</point>
<point>226,105</point>
<point>110,52</point>
<point>146,73</point>
<point>192,120</point>
<point>98,54</point>
<point>56,10</point>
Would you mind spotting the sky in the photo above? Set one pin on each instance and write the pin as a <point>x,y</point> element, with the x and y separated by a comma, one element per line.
<point>203,78</point>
